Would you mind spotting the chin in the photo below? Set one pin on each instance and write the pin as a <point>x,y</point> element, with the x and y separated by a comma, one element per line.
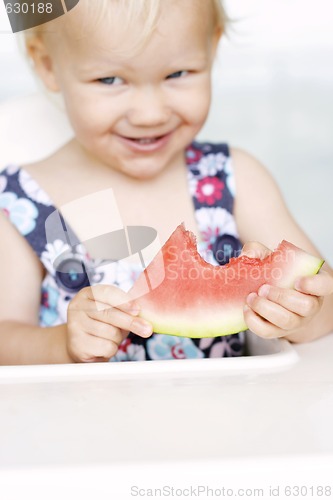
<point>142,171</point>
<point>142,174</point>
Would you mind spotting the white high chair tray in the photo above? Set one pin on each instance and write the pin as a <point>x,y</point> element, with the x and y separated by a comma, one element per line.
<point>263,356</point>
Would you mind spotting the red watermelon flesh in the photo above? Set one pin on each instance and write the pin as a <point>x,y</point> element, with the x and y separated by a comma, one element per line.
<point>181,294</point>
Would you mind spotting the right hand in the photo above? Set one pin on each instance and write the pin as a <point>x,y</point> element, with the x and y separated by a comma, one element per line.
<point>99,318</point>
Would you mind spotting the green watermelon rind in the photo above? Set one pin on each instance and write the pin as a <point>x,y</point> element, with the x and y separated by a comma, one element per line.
<point>197,330</point>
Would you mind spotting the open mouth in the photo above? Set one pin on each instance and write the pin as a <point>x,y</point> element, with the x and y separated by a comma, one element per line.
<point>146,140</point>
<point>146,144</point>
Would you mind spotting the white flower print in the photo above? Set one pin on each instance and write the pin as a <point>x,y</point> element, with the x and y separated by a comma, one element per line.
<point>105,272</point>
<point>172,347</point>
<point>204,343</point>
<point>21,212</point>
<point>32,189</point>
<point>81,250</point>
<point>129,352</point>
<point>127,274</point>
<point>206,252</point>
<point>58,303</point>
<point>230,180</point>
<point>122,273</point>
<point>52,252</point>
<point>215,221</point>
<point>210,164</point>
<point>192,182</point>
<point>12,169</point>
<point>227,346</point>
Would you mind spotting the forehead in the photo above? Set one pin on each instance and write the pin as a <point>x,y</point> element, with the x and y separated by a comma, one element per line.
<point>116,27</point>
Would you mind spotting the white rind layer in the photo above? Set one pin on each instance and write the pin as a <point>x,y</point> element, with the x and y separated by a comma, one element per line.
<point>228,321</point>
<point>216,324</point>
<point>305,265</point>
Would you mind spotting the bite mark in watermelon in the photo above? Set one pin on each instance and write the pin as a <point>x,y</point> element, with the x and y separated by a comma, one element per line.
<point>181,294</point>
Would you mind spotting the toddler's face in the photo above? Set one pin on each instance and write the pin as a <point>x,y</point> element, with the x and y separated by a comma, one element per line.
<point>137,110</point>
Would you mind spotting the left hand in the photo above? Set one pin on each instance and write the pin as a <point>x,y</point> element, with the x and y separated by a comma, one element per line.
<point>278,312</point>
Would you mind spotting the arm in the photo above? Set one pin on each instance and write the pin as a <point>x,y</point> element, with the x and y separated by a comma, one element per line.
<point>22,341</point>
<point>98,319</point>
<point>23,344</point>
<point>262,216</point>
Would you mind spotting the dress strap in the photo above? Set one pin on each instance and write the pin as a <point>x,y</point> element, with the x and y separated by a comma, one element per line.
<point>212,187</point>
<point>211,174</point>
<point>26,205</point>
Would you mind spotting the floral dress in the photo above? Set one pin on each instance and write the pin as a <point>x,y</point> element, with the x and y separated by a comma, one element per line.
<point>212,187</point>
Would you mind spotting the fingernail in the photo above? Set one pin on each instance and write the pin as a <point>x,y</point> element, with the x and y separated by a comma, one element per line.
<point>251,298</point>
<point>141,327</point>
<point>264,291</point>
<point>246,308</point>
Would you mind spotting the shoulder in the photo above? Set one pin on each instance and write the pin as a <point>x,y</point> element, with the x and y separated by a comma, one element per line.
<point>21,276</point>
<point>257,192</point>
<point>260,211</point>
<point>42,165</point>
<point>250,172</point>
<point>40,180</point>
<point>49,164</point>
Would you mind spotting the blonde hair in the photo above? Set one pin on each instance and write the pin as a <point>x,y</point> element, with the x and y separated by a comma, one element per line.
<point>148,10</point>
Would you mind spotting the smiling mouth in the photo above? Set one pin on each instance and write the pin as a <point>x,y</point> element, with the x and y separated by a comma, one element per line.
<point>146,144</point>
<point>145,140</point>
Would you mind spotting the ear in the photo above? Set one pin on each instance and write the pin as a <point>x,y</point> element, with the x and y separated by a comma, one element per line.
<point>43,61</point>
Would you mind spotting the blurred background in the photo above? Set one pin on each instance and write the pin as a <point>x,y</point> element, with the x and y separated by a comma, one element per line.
<point>273,96</point>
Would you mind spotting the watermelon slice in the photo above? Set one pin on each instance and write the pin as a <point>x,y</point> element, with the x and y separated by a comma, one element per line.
<point>181,294</point>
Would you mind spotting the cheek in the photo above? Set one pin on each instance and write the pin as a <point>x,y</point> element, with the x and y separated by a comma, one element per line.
<point>88,114</point>
<point>196,102</point>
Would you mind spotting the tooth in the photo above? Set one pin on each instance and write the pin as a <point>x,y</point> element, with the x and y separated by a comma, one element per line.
<point>146,141</point>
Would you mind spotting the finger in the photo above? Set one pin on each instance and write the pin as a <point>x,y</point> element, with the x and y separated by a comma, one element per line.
<point>122,320</point>
<point>105,331</point>
<point>107,295</point>
<point>90,306</point>
<point>296,302</point>
<point>274,313</point>
<point>321,284</point>
<point>255,250</point>
<point>260,326</point>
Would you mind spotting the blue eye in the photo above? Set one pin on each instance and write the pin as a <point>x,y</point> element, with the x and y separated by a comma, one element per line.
<point>177,74</point>
<point>111,80</point>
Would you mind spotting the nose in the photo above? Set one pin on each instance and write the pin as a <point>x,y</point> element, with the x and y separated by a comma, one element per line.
<point>148,108</point>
